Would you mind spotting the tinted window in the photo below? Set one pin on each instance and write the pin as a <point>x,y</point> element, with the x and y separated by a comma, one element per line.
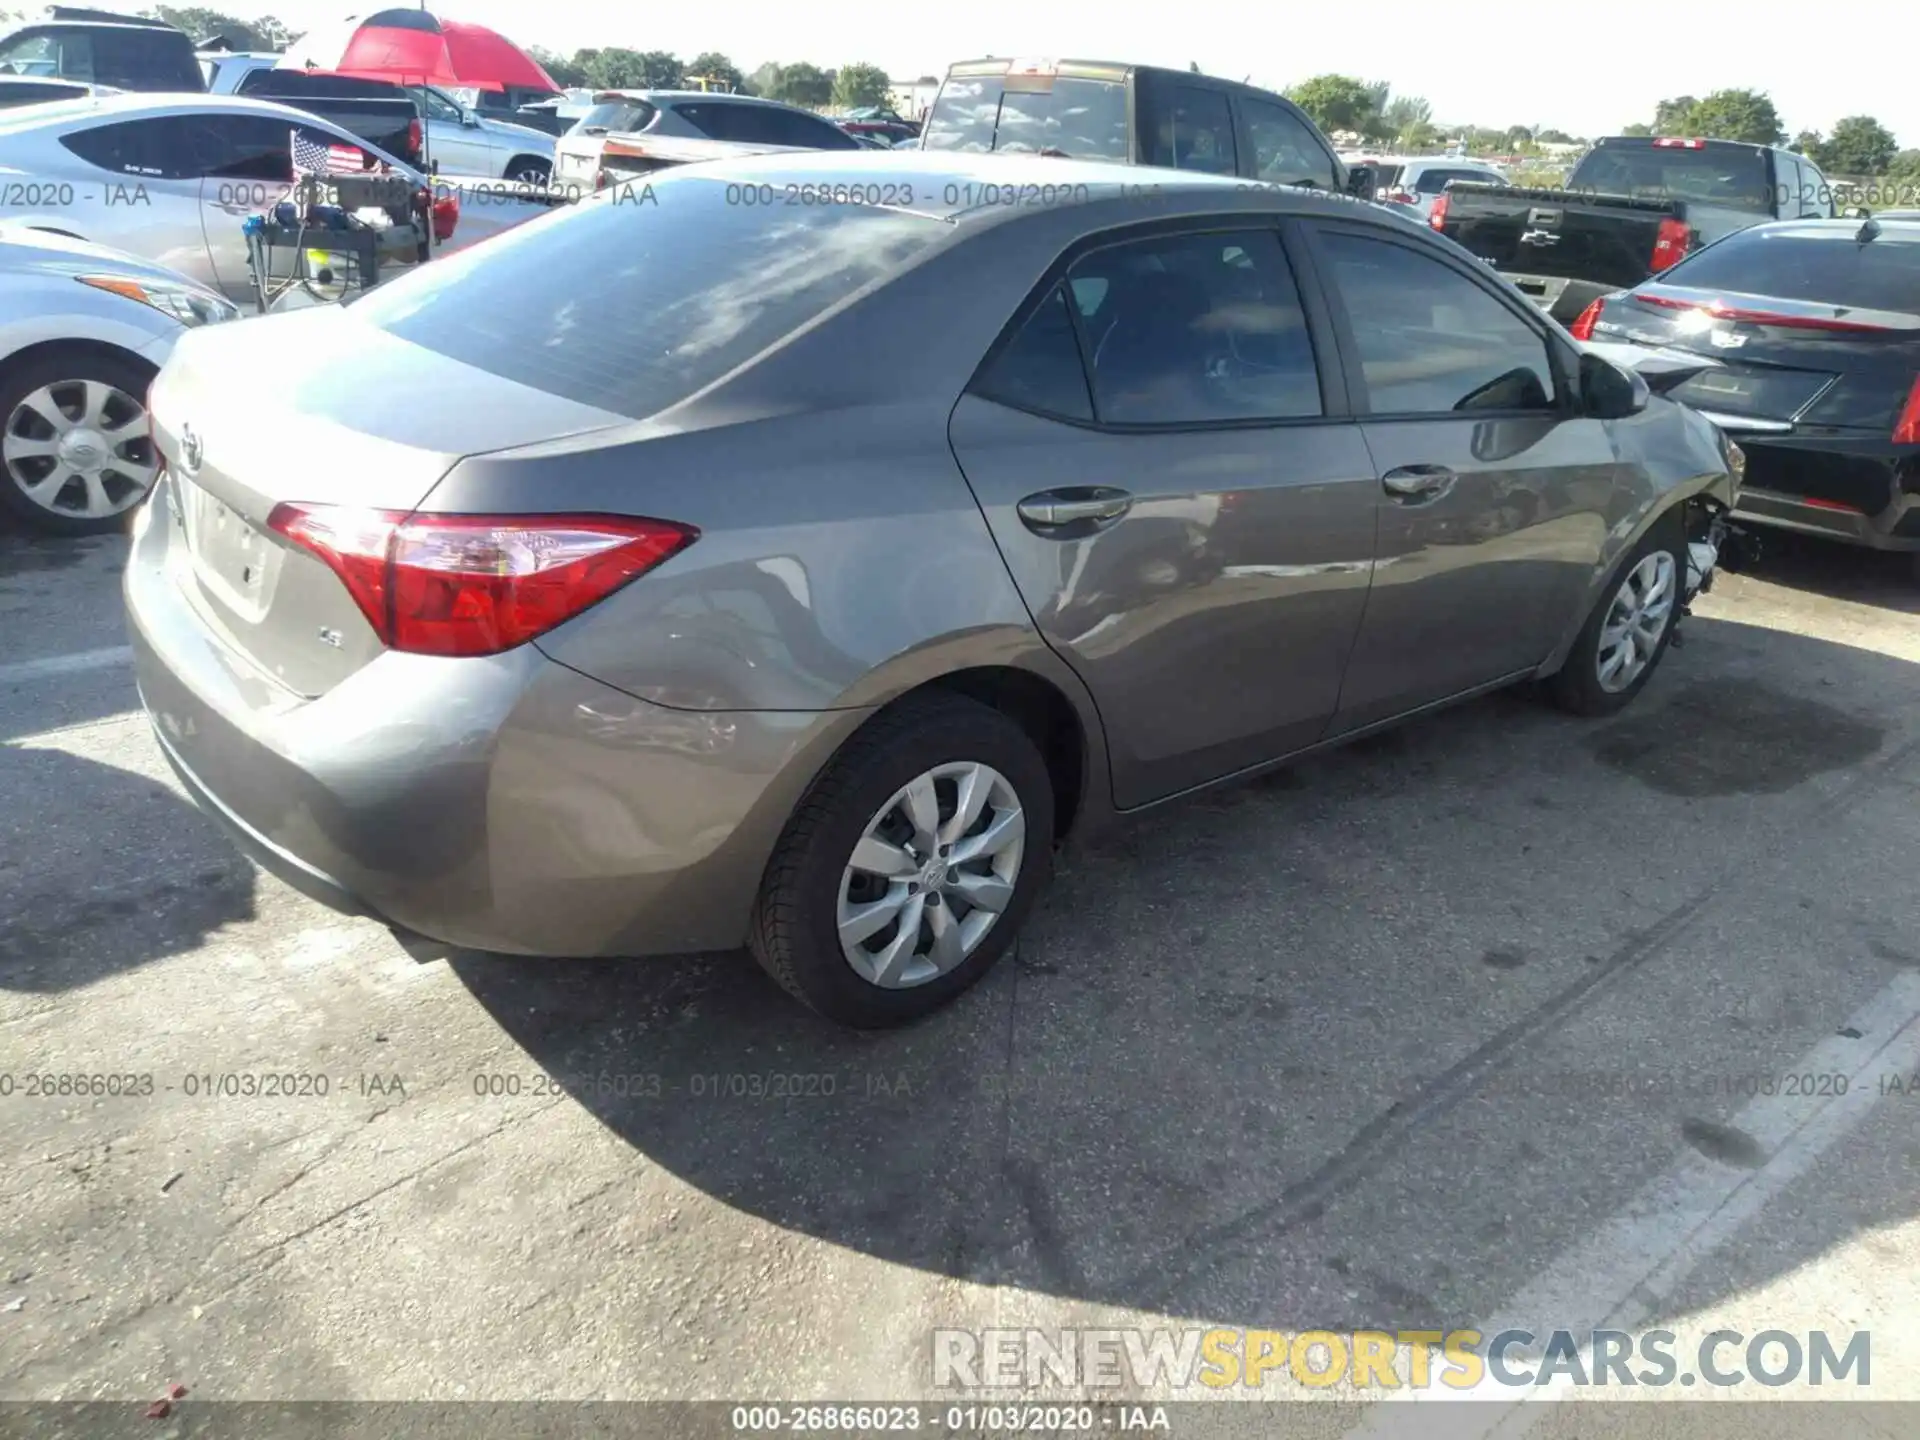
<point>1040,369</point>
<point>1431,340</point>
<point>239,147</point>
<point>1732,176</point>
<point>1084,118</point>
<point>145,149</point>
<point>1432,182</point>
<point>144,60</point>
<point>69,55</point>
<point>617,115</point>
<point>1285,151</point>
<point>29,92</point>
<point>1202,131</point>
<point>1826,267</point>
<point>435,106</point>
<point>1194,328</point>
<point>634,306</point>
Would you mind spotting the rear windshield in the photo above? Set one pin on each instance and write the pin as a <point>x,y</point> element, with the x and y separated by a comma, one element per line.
<point>617,115</point>
<point>1826,268</point>
<point>1731,176</point>
<point>1084,118</point>
<point>633,304</point>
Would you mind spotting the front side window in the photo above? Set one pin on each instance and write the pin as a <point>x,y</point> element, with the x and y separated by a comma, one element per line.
<point>1195,329</point>
<point>436,105</point>
<point>1430,340</point>
<point>69,56</point>
<point>1284,149</point>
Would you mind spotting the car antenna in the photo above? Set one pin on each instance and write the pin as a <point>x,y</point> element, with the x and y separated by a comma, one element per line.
<point>1869,230</point>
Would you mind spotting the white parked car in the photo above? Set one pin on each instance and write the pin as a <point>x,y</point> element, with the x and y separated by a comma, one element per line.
<point>1418,182</point>
<point>83,330</point>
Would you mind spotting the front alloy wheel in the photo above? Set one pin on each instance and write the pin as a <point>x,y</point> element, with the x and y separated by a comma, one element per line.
<point>931,874</point>
<point>75,454</point>
<point>1636,622</point>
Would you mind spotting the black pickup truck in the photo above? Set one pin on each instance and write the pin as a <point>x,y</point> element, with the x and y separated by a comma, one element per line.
<point>1136,115</point>
<point>383,115</point>
<point>1633,206</point>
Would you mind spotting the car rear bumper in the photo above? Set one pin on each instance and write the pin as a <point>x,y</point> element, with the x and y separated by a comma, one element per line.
<point>507,804</point>
<point>1866,494</point>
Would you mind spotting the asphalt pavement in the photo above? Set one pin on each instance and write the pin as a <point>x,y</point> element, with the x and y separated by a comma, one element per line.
<point>1497,1015</point>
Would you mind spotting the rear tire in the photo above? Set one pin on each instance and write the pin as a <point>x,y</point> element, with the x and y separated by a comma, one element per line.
<point>529,170</point>
<point>1630,628</point>
<point>810,923</point>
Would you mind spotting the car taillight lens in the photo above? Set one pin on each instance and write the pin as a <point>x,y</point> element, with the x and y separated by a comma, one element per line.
<point>1437,217</point>
<point>475,584</point>
<point>446,217</point>
<point>1582,327</point>
<point>1906,430</point>
<point>414,136</point>
<point>1399,197</point>
<point>1671,244</point>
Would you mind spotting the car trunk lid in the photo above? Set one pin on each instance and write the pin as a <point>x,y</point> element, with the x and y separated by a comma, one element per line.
<point>315,408</point>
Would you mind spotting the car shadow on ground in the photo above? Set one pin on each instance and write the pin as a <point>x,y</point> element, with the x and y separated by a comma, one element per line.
<point>1285,1038</point>
<point>1887,579</point>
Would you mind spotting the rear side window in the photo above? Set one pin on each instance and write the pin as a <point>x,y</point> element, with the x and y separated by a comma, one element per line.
<point>1201,132</point>
<point>68,55</point>
<point>145,60</point>
<point>30,92</point>
<point>1040,369</point>
<point>1081,117</point>
<point>1195,329</point>
<point>1285,151</point>
<point>1430,340</point>
<point>1733,177</point>
<point>149,149</point>
<point>1825,267</point>
<point>633,306</point>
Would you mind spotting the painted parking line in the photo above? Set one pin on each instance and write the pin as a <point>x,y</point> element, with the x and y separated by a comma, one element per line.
<point>1633,1264</point>
<point>76,663</point>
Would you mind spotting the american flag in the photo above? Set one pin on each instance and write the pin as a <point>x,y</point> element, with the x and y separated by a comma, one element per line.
<point>316,157</point>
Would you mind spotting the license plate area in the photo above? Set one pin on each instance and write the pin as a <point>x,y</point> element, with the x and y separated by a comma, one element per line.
<point>231,557</point>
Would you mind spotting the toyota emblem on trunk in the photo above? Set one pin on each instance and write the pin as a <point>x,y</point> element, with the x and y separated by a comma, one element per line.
<point>192,450</point>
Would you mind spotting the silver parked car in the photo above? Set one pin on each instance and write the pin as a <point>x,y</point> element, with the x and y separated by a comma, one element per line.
<point>83,330</point>
<point>171,178</point>
<point>462,141</point>
<point>718,125</point>
<point>674,573</point>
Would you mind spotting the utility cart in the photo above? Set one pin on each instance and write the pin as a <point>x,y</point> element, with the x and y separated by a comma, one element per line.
<point>333,236</point>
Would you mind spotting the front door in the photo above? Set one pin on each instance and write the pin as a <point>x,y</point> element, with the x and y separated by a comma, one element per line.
<point>1187,514</point>
<point>1494,493</point>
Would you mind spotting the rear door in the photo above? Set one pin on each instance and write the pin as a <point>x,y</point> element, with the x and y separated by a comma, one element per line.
<point>1493,495</point>
<point>149,198</point>
<point>1181,497</point>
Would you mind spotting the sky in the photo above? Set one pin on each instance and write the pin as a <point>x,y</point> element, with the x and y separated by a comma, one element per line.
<point>1484,62</point>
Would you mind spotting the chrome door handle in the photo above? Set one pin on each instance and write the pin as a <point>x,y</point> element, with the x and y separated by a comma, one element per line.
<point>1053,508</point>
<point>1418,482</point>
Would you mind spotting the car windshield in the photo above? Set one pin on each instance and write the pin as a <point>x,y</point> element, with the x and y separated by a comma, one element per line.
<point>1823,267</point>
<point>1083,118</point>
<point>1733,177</point>
<point>616,115</point>
<point>635,300</point>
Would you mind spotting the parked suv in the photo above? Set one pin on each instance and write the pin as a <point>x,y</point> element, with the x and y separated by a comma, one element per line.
<point>1417,183</point>
<point>1134,115</point>
<point>129,54</point>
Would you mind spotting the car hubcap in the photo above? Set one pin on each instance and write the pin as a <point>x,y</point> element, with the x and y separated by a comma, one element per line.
<point>1636,621</point>
<point>933,871</point>
<point>79,448</point>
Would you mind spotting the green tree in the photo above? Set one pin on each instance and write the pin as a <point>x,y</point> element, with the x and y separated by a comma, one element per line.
<point>801,84</point>
<point>1639,127</point>
<point>1674,117</point>
<point>860,84</point>
<point>718,67</point>
<point>620,69</point>
<point>1904,168</point>
<point>1859,145</point>
<point>566,71</point>
<point>206,24</point>
<point>763,80</point>
<point>1335,102</point>
<point>1807,143</point>
<point>1737,115</point>
<point>1555,137</point>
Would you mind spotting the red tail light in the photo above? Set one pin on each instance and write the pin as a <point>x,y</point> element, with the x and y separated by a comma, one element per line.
<point>1582,327</point>
<point>1906,430</point>
<point>1437,217</point>
<point>1400,197</point>
<point>446,216</point>
<point>1671,144</point>
<point>1670,246</point>
<point>414,136</point>
<point>1722,311</point>
<point>475,584</point>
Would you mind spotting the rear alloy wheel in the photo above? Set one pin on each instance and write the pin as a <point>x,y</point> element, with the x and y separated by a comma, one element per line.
<point>75,455</point>
<point>1629,629</point>
<point>909,867</point>
<point>529,172</point>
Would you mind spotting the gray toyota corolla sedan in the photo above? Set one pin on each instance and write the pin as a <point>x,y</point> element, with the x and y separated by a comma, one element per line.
<point>796,551</point>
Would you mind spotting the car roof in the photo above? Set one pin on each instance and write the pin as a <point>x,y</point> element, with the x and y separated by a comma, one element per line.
<point>1902,227</point>
<point>660,97</point>
<point>138,105</point>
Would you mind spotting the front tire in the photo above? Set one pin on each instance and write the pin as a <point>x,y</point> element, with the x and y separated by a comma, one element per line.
<point>529,170</point>
<point>1630,628</point>
<point>908,868</point>
<point>75,455</point>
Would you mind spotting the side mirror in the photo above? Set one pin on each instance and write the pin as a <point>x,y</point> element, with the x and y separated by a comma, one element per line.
<point>1609,393</point>
<point>1360,181</point>
<point>1856,212</point>
<point>469,120</point>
